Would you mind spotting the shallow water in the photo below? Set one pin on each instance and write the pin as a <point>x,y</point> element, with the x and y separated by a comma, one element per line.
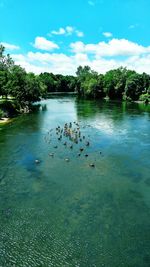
<point>59,213</point>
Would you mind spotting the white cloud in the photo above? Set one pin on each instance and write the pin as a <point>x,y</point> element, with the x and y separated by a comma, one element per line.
<point>45,62</point>
<point>107,34</point>
<point>79,33</point>
<point>77,47</point>
<point>61,63</point>
<point>10,46</point>
<point>68,30</point>
<point>44,44</point>
<point>61,31</point>
<point>100,57</point>
<point>115,47</point>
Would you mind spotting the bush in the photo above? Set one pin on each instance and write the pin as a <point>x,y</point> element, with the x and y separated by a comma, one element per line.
<point>145,98</point>
<point>9,108</point>
<point>126,98</point>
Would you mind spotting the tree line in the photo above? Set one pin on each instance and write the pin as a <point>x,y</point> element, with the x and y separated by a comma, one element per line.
<point>119,84</point>
<point>26,88</point>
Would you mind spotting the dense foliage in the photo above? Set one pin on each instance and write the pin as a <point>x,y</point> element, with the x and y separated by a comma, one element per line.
<point>26,88</point>
<point>115,84</point>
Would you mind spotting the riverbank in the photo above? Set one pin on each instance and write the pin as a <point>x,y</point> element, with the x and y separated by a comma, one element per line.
<point>9,108</point>
<point>4,120</point>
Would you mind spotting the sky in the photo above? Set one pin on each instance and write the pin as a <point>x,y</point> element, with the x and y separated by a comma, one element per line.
<point>59,35</point>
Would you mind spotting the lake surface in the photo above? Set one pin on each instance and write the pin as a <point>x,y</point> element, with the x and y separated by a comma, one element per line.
<point>67,213</point>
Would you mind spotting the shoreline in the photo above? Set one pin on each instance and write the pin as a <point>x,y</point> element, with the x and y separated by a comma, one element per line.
<point>5,120</point>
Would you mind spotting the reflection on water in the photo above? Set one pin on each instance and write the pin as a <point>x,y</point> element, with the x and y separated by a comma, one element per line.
<point>59,213</point>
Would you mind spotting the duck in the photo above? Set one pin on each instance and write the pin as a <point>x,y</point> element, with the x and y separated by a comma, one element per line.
<point>37,161</point>
<point>51,154</point>
<point>92,165</point>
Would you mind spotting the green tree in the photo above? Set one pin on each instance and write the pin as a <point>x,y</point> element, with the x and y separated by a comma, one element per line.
<point>134,86</point>
<point>6,64</point>
<point>49,80</point>
<point>88,81</point>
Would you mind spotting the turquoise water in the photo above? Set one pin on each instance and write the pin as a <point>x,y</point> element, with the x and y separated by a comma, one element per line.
<point>67,213</point>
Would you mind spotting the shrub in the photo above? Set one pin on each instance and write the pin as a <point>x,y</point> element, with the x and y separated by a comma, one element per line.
<point>145,98</point>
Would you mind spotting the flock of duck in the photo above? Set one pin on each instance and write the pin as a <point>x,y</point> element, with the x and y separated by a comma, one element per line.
<point>69,136</point>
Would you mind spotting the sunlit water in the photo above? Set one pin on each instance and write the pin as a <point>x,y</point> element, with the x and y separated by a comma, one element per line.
<point>59,213</point>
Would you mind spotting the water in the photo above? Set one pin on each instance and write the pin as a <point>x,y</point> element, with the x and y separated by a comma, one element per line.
<point>59,213</point>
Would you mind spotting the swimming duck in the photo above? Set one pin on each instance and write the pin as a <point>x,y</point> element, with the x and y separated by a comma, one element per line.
<point>37,161</point>
<point>92,165</point>
<point>51,154</point>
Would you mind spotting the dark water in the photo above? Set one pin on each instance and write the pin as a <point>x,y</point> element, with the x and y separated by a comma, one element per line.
<point>60,213</point>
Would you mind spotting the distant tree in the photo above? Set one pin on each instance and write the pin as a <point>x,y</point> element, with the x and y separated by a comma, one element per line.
<point>134,86</point>
<point>115,81</point>
<point>87,81</point>
<point>49,80</point>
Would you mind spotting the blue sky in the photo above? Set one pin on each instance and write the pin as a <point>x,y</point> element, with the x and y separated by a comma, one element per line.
<point>57,36</point>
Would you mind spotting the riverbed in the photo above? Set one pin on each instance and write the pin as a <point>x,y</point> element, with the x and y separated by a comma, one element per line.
<point>60,206</point>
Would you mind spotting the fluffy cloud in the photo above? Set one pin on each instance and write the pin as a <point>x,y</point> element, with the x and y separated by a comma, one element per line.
<point>61,31</point>
<point>45,62</point>
<point>100,57</point>
<point>79,33</point>
<point>107,34</point>
<point>115,47</point>
<point>51,62</point>
<point>10,46</point>
<point>69,30</point>
<point>44,44</point>
<point>61,63</point>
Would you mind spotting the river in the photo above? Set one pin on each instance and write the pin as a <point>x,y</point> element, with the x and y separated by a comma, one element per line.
<point>70,209</point>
